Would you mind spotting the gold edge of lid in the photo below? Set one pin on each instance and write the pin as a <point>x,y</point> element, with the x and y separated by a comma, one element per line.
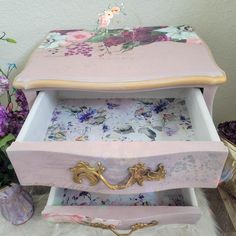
<point>121,86</point>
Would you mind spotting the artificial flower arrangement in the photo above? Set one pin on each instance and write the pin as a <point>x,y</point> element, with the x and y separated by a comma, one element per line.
<point>12,116</point>
<point>16,204</point>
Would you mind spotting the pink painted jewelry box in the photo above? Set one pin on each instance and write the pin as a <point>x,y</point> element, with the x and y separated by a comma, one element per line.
<point>129,118</point>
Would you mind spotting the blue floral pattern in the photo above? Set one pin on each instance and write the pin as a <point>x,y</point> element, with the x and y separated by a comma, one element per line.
<point>120,120</point>
<point>82,198</point>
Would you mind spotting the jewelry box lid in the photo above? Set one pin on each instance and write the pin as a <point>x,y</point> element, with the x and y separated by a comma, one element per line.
<point>120,59</point>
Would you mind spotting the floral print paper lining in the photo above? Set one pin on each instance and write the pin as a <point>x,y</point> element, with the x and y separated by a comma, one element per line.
<point>120,120</point>
<point>82,198</point>
<point>102,42</point>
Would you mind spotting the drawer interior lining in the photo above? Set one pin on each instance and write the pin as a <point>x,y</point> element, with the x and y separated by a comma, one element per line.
<point>39,118</point>
<point>68,197</point>
<point>120,120</point>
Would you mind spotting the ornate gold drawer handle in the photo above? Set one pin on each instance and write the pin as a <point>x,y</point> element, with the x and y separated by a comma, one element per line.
<point>137,174</point>
<point>134,227</point>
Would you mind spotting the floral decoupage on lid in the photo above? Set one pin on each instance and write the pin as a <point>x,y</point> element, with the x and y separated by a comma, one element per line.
<point>120,59</point>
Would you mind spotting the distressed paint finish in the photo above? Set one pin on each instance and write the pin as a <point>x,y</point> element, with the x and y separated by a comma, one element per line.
<point>145,71</point>
<point>188,164</point>
<point>122,216</point>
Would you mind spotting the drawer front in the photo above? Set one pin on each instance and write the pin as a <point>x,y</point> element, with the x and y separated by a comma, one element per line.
<point>185,164</point>
<point>172,207</point>
<point>121,166</point>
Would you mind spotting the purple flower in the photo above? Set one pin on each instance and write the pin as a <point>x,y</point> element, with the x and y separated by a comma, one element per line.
<point>228,130</point>
<point>105,128</point>
<point>21,100</point>
<point>86,115</point>
<point>182,118</point>
<point>111,105</point>
<point>3,121</point>
<point>79,48</point>
<point>55,115</point>
<point>16,120</point>
<point>4,84</point>
<point>162,38</point>
<point>161,106</point>
<point>143,35</point>
<point>127,35</point>
<point>114,41</point>
<point>171,130</point>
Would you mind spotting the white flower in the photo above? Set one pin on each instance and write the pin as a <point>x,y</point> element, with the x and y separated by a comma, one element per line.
<point>178,33</point>
<point>108,14</point>
<point>53,40</point>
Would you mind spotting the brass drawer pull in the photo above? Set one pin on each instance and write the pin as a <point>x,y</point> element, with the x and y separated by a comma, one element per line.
<point>137,174</point>
<point>134,227</point>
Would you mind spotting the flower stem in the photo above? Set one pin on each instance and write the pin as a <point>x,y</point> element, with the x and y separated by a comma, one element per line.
<point>3,73</point>
<point>8,93</point>
<point>3,35</point>
<point>8,98</point>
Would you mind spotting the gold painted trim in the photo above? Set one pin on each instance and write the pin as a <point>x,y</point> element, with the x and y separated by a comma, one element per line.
<point>119,86</point>
<point>137,174</point>
<point>133,228</point>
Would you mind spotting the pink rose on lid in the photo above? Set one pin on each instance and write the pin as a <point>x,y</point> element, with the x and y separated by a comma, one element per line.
<point>78,36</point>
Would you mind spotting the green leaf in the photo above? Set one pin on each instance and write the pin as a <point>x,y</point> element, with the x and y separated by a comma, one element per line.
<point>6,141</point>
<point>10,167</point>
<point>97,38</point>
<point>10,40</point>
<point>115,32</point>
<point>130,45</point>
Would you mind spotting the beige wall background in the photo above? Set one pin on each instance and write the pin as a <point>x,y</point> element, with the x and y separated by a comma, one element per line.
<point>215,21</point>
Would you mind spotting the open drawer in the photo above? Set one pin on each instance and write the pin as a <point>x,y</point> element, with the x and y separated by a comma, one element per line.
<point>119,143</point>
<point>166,207</point>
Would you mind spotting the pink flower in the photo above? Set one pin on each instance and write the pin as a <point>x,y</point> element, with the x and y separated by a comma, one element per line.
<point>78,36</point>
<point>162,38</point>
<point>103,21</point>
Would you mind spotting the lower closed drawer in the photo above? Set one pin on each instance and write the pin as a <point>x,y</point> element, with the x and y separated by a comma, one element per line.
<point>122,211</point>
